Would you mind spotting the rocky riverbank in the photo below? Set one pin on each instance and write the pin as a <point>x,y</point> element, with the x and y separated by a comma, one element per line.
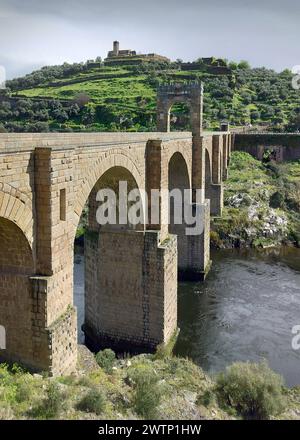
<point>261,204</point>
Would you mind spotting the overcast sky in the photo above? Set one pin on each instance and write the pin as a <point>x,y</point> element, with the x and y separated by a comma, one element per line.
<point>37,32</point>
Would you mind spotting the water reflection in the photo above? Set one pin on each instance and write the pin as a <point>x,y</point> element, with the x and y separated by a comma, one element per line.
<point>244,311</point>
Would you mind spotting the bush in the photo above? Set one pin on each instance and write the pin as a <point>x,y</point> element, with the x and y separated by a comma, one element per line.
<point>252,389</point>
<point>147,392</point>
<point>208,398</point>
<point>277,200</point>
<point>93,401</point>
<point>106,359</point>
<point>52,405</point>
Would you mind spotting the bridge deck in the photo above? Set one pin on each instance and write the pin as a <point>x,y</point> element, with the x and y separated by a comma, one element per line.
<point>10,142</point>
<point>30,141</point>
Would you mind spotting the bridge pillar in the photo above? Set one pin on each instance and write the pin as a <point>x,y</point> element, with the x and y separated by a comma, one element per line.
<point>131,290</point>
<point>225,156</point>
<point>54,341</point>
<point>214,190</point>
<point>157,179</point>
<point>198,261</point>
<point>194,250</point>
<point>54,323</point>
<point>230,146</point>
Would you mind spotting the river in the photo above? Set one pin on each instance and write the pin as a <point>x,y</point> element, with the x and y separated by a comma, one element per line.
<point>245,310</point>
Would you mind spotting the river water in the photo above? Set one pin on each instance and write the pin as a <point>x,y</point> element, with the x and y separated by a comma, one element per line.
<point>245,310</point>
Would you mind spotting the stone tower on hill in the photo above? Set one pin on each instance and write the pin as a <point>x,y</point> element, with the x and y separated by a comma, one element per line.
<point>128,56</point>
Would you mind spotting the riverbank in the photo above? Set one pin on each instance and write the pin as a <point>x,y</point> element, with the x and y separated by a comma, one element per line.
<point>261,205</point>
<point>141,387</point>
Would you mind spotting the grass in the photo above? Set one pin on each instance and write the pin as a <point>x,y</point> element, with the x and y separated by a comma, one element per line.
<point>145,387</point>
<point>234,96</point>
<point>121,89</point>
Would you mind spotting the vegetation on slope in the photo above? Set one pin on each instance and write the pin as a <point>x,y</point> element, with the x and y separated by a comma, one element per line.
<point>262,204</point>
<point>146,387</point>
<point>72,98</point>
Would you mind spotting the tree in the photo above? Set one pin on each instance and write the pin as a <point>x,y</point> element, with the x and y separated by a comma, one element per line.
<point>233,65</point>
<point>60,114</point>
<point>243,65</point>
<point>88,115</point>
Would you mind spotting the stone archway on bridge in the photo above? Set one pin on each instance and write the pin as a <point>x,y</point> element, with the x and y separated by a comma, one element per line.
<point>121,263</point>
<point>180,196</point>
<point>113,158</point>
<point>189,93</point>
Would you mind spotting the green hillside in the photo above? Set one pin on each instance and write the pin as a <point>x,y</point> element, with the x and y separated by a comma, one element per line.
<point>75,97</point>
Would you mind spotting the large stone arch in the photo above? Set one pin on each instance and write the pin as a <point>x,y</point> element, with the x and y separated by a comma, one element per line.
<point>16,302</point>
<point>114,256</point>
<point>110,180</point>
<point>111,159</point>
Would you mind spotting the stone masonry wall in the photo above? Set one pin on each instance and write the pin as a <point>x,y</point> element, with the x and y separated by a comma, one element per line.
<point>131,298</point>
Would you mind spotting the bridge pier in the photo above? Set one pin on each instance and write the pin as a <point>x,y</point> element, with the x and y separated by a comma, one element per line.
<point>130,291</point>
<point>193,250</point>
<point>213,178</point>
<point>53,342</point>
<point>225,155</point>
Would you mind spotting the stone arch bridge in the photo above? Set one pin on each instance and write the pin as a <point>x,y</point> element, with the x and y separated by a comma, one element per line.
<point>46,180</point>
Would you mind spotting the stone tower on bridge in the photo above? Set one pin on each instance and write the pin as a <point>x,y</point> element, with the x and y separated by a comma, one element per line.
<point>210,153</point>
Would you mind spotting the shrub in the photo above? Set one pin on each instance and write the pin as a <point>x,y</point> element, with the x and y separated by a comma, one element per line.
<point>25,390</point>
<point>147,392</point>
<point>208,398</point>
<point>252,389</point>
<point>52,404</point>
<point>277,200</point>
<point>93,401</point>
<point>106,359</point>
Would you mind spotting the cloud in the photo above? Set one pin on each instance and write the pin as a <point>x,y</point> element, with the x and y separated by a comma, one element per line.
<point>263,31</point>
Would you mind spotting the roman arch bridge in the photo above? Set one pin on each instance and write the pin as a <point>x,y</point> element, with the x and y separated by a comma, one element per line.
<point>46,181</point>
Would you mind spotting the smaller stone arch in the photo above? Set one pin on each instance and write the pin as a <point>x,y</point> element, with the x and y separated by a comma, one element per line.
<point>208,167</point>
<point>179,166</point>
<point>191,94</point>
